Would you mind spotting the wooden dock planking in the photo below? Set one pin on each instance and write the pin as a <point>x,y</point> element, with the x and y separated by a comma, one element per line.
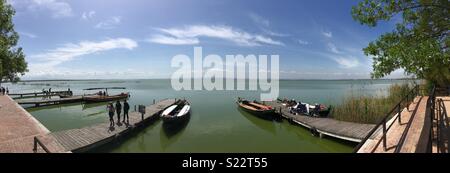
<point>51,101</point>
<point>349,131</point>
<point>37,94</point>
<point>87,138</point>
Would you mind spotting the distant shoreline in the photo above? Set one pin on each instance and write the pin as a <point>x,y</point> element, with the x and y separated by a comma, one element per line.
<point>62,80</point>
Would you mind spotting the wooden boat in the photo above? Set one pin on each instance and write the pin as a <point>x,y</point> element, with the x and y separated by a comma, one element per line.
<point>177,112</point>
<point>256,108</point>
<point>104,98</point>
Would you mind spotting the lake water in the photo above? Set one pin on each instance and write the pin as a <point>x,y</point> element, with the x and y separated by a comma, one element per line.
<point>215,125</point>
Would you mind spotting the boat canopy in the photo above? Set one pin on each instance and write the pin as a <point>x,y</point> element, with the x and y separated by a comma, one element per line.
<point>106,88</point>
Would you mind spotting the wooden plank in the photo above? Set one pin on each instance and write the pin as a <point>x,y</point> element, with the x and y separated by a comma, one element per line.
<point>331,127</point>
<point>86,138</point>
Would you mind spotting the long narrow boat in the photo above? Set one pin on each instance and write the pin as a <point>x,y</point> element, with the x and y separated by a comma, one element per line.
<point>256,108</point>
<point>177,112</point>
<point>103,98</point>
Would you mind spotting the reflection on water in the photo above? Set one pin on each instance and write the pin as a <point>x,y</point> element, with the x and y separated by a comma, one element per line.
<point>171,132</point>
<point>267,124</point>
<point>215,125</point>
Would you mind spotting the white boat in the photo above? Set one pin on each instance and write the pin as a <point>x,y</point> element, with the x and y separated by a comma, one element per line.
<point>176,112</point>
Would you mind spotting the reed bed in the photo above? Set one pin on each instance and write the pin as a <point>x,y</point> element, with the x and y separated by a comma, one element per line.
<point>369,109</point>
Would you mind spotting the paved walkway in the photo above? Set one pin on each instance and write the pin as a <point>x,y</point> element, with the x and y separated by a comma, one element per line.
<point>18,129</point>
<point>415,137</point>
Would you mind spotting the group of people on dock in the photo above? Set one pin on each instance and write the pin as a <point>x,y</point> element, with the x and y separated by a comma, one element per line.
<point>4,91</point>
<point>118,110</point>
<point>102,93</point>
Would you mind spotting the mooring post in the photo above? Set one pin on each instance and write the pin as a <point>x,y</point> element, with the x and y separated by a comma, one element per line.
<point>399,114</point>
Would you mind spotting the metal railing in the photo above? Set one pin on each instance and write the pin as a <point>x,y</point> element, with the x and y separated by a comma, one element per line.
<point>431,107</point>
<point>396,110</point>
<point>38,141</point>
<point>441,122</point>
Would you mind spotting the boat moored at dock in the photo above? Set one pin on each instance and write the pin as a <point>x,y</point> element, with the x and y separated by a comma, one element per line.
<point>177,112</point>
<point>256,108</point>
<point>302,108</point>
<point>105,98</point>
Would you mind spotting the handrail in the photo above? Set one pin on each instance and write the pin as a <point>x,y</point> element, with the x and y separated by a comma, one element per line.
<point>382,123</point>
<point>444,112</point>
<point>38,141</point>
<point>441,120</point>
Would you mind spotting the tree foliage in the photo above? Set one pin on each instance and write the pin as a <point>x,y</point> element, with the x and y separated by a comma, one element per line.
<point>418,44</point>
<point>12,58</point>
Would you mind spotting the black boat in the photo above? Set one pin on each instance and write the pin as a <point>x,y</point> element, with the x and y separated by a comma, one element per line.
<point>176,112</point>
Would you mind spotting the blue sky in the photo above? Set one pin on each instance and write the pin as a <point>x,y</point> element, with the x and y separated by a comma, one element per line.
<point>315,39</point>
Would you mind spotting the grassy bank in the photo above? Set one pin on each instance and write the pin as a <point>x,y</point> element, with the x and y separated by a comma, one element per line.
<point>370,109</point>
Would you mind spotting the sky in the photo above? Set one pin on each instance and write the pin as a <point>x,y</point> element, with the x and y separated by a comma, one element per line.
<point>137,39</point>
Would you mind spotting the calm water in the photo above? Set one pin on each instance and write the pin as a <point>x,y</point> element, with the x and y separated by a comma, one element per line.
<point>216,124</point>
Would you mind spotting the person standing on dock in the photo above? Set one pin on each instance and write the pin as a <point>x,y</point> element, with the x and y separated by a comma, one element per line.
<point>118,110</point>
<point>126,108</point>
<point>111,110</point>
<point>7,91</point>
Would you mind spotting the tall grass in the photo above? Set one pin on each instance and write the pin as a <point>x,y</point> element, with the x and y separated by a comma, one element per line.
<point>370,109</point>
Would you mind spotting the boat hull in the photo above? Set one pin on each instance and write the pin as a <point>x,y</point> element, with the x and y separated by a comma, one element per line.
<point>263,114</point>
<point>182,113</point>
<point>175,119</point>
<point>94,99</point>
<point>266,114</point>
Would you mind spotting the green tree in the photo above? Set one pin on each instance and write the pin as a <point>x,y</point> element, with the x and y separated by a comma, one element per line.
<point>12,58</point>
<point>418,44</point>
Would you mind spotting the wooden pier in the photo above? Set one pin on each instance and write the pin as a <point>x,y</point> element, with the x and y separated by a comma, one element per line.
<point>348,131</point>
<point>45,102</point>
<point>88,138</point>
<point>38,94</point>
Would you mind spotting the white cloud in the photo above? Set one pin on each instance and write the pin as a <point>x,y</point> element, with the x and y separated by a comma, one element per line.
<point>110,23</point>
<point>76,73</point>
<point>191,34</point>
<point>163,39</point>
<point>333,48</point>
<point>302,42</point>
<point>264,25</point>
<point>71,51</point>
<point>349,62</point>
<point>272,33</point>
<point>259,20</point>
<point>88,15</point>
<point>57,8</point>
<point>27,34</point>
<point>327,34</point>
